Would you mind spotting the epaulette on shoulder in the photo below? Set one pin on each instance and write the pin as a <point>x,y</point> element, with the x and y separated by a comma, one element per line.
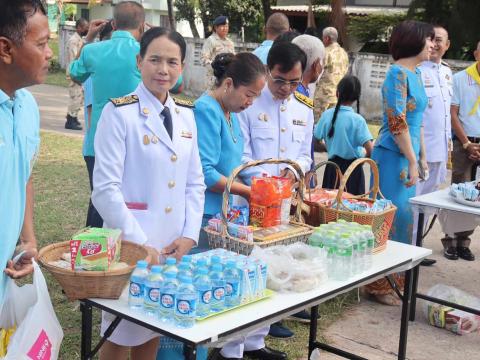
<point>124,100</point>
<point>183,102</point>
<point>445,63</point>
<point>303,99</point>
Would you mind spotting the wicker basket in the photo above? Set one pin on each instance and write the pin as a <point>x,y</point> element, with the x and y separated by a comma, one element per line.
<point>226,241</point>
<point>92,284</point>
<point>381,222</point>
<point>314,215</point>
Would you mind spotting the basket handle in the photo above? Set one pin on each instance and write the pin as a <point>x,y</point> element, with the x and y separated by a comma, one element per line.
<point>313,173</point>
<point>236,172</point>
<point>374,190</point>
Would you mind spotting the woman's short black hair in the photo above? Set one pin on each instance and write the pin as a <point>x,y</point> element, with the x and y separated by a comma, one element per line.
<point>408,38</point>
<point>286,55</point>
<point>156,32</point>
<point>243,68</point>
<point>14,16</point>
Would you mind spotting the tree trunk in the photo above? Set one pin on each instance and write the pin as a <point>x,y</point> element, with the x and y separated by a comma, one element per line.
<point>171,18</point>
<point>267,10</point>
<point>338,20</point>
<point>193,27</point>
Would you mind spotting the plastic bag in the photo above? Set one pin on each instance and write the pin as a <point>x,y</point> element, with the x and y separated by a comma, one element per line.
<point>457,321</point>
<point>38,334</point>
<point>293,268</point>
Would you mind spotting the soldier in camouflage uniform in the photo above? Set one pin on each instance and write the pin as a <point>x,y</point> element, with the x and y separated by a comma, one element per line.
<point>75,90</point>
<point>335,68</point>
<point>216,43</point>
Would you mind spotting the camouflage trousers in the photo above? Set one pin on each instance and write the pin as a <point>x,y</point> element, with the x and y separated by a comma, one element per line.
<point>75,101</point>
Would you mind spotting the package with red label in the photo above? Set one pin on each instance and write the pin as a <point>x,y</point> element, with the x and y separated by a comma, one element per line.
<point>461,322</point>
<point>95,249</point>
<point>266,200</point>
<point>325,196</point>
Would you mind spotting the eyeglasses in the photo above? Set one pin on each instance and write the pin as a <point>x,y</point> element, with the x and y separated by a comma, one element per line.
<point>281,82</point>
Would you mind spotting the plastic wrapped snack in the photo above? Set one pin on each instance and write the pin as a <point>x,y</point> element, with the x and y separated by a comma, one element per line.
<point>266,201</point>
<point>457,321</point>
<point>294,268</point>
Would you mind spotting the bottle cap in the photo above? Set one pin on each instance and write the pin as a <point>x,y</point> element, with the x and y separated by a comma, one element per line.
<point>157,269</point>
<point>217,267</point>
<point>186,279</point>
<point>171,261</point>
<point>142,264</point>
<point>170,275</point>
<point>202,271</point>
<point>187,258</point>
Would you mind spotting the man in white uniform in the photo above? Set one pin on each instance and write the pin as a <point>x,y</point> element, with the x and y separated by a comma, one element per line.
<point>438,81</point>
<point>278,124</point>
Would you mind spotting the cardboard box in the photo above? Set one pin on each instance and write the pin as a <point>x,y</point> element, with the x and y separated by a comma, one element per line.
<point>95,249</point>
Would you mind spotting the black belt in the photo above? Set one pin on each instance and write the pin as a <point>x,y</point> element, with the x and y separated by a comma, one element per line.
<point>472,139</point>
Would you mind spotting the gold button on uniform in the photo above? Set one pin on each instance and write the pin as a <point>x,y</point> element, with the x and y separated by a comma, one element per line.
<point>145,111</point>
<point>283,108</point>
<point>154,139</point>
<point>177,110</point>
<point>168,209</point>
<point>283,129</point>
<point>282,149</point>
<point>171,184</point>
<point>173,158</point>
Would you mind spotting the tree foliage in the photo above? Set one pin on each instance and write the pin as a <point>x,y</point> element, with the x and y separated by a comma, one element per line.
<point>374,27</point>
<point>187,10</point>
<point>459,17</point>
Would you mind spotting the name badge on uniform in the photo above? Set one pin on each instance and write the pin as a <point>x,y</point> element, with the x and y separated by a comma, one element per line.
<point>428,82</point>
<point>186,134</point>
<point>136,205</point>
<point>300,122</point>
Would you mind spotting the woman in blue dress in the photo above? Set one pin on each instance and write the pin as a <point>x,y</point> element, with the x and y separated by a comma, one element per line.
<point>399,149</point>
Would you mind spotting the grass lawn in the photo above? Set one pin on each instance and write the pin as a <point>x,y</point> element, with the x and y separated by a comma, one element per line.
<point>56,75</point>
<point>61,200</point>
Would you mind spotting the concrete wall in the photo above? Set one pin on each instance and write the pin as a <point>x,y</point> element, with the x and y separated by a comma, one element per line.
<point>195,74</point>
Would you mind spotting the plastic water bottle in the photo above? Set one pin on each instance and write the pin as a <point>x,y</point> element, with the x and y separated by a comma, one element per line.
<point>356,264</point>
<point>362,246</point>
<point>188,259</point>
<point>185,303</point>
<point>201,263</point>
<point>151,301</point>
<point>184,270</point>
<point>344,258</point>
<point>218,288</point>
<point>203,286</point>
<point>262,275</point>
<point>370,245</point>
<point>168,291</point>
<point>316,239</point>
<point>170,265</point>
<point>215,259</point>
<point>137,285</point>
<point>232,284</point>
<point>330,244</point>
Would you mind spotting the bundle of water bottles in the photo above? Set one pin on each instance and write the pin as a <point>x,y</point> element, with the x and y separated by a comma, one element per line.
<point>199,285</point>
<point>347,248</point>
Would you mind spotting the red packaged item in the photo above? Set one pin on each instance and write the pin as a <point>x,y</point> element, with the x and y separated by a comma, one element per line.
<point>266,198</point>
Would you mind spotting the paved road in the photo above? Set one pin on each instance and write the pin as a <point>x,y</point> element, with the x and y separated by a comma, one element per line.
<point>369,329</point>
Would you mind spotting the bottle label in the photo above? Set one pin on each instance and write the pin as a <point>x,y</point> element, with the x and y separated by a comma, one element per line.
<point>219,293</point>
<point>205,296</point>
<point>371,242</point>
<point>136,289</point>
<point>231,289</point>
<point>186,307</point>
<point>153,294</point>
<point>167,300</point>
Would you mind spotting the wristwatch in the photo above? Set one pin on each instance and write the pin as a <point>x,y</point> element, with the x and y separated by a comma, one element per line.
<point>465,146</point>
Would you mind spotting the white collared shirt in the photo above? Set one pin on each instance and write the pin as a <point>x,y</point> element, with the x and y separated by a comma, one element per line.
<point>279,129</point>
<point>438,82</point>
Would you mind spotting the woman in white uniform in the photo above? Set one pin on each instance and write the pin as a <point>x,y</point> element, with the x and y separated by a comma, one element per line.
<point>148,178</point>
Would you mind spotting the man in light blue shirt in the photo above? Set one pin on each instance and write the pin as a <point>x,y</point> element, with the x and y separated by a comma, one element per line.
<point>276,25</point>
<point>112,66</point>
<point>24,58</point>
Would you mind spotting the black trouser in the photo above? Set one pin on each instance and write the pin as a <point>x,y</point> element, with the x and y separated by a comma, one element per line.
<point>356,181</point>
<point>93,217</point>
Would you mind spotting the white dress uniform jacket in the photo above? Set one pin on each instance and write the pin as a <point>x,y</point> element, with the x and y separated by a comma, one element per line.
<point>280,129</point>
<point>438,82</point>
<point>144,183</point>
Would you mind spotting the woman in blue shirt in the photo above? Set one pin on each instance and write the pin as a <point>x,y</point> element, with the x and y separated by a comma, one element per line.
<point>239,79</point>
<point>399,147</point>
<point>346,135</point>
